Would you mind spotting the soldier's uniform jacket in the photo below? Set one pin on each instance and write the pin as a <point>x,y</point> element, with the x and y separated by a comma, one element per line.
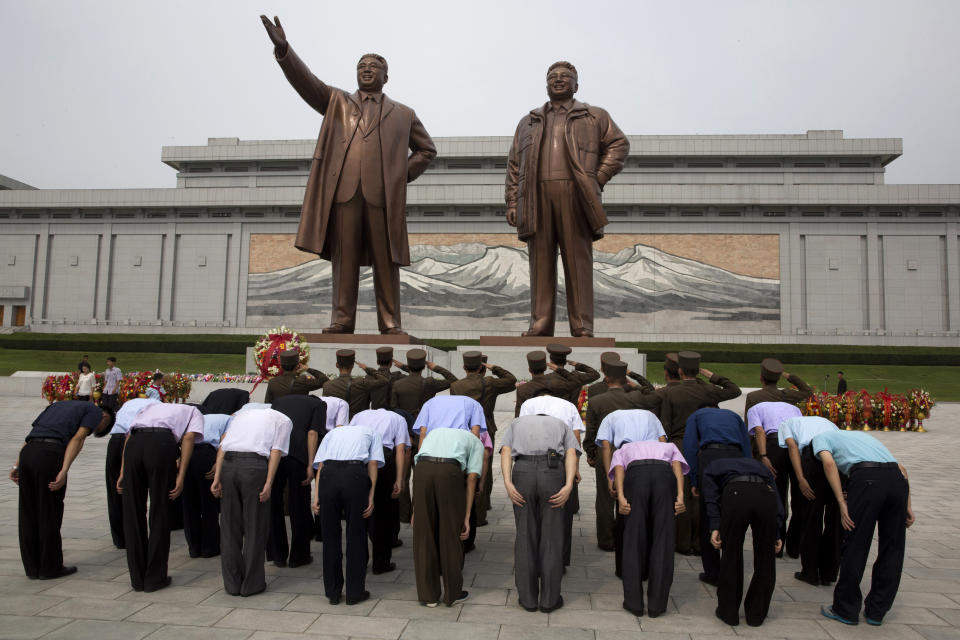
<point>770,393</point>
<point>558,385</point>
<point>682,399</point>
<point>355,389</point>
<point>581,375</point>
<point>601,387</point>
<point>600,406</point>
<point>410,392</point>
<point>380,397</point>
<point>290,383</point>
<point>485,390</point>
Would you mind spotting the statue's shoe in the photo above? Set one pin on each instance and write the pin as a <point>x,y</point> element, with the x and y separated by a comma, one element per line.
<point>337,328</point>
<point>582,333</point>
<point>393,331</point>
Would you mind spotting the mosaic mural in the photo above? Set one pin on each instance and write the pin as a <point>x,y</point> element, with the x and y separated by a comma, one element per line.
<point>643,283</point>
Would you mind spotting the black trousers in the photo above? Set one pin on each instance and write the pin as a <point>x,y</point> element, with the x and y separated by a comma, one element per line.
<point>606,507</point>
<point>386,514</point>
<point>149,469</point>
<point>343,491</point>
<point>246,524</point>
<point>648,536</point>
<point>795,528</point>
<point>41,510</point>
<point>709,556</point>
<point>780,459</point>
<point>114,499</point>
<point>201,510</point>
<point>569,510</point>
<point>876,499</point>
<point>538,548</point>
<point>439,508</point>
<point>289,477</point>
<point>754,505</point>
<point>820,537</point>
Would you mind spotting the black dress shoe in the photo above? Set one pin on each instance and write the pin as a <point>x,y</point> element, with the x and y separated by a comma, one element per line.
<point>387,569</point>
<point>654,614</point>
<point>808,579</point>
<point>334,599</point>
<point>397,543</point>
<point>64,571</point>
<point>713,582</point>
<point>530,609</point>
<point>363,596</point>
<point>636,612</point>
<point>604,547</point>
<point>166,582</point>
<point>553,608</point>
<point>280,563</point>
<point>293,564</point>
<point>253,593</point>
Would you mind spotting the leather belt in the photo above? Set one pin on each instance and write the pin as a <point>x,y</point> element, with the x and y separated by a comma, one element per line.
<point>873,465</point>
<point>152,430</point>
<point>749,478</point>
<point>720,445</point>
<point>48,440</point>
<point>338,463</point>
<point>541,457</point>
<point>638,463</point>
<point>233,455</point>
<point>438,460</point>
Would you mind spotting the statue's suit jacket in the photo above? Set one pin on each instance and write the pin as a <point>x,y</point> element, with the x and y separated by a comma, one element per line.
<point>399,130</point>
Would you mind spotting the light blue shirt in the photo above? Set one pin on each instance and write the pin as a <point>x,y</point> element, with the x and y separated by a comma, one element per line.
<point>770,415</point>
<point>128,412</point>
<point>803,429</point>
<point>450,412</point>
<point>153,394</point>
<point>214,424</point>
<point>453,443</point>
<point>850,447</point>
<point>390,425</point>
<point>629,425</point>
<point>350,442</point>
<point>254,406</point>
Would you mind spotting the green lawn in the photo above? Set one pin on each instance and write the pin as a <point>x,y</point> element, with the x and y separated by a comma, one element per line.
<point>33,360</point>
<point>938,380</point>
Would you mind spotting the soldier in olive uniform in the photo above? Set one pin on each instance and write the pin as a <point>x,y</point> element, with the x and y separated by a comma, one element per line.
<point>354,389</point>
<point>601,386</point>
<point>409,394</point>
<point>485,391</point>
<point>380,397</point>
<point>771,370</point>
<point>291,380</point>
<point>616,397</point>
<point>581,375</point>
<point>679,401</point>
<point>556,385</point>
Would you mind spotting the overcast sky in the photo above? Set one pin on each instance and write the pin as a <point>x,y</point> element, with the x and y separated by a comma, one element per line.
<point>92,90</point>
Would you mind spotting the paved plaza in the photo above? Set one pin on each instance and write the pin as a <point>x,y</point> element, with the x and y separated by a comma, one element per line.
<point>98,602</point>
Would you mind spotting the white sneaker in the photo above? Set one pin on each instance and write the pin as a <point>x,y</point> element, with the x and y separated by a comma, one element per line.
<point>430,604</point>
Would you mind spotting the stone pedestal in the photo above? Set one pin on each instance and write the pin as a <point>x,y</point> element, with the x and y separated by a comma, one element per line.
<point>347,339</point>
<point>534,342</point>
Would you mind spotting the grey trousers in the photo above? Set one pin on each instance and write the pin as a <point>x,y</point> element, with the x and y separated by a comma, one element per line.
<point>538,551</point>
<point>244,524</point>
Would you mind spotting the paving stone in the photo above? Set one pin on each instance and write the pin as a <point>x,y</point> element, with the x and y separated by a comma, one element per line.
<point>103,630</point>
<point>178,632</point>
<point>268,600</point>
<point>310,603</point>
<point>359,627</point>
<point>17,627</point>
<point>410,610</point>
<point>429,630</point>
<point>522,632</point>
<point>596,620</point>
<point>90,609</point>
<point>26,605</point>
<point>82,588</point>
<point>181,614</point>
<point>504,615</point>
<point>262,620</point>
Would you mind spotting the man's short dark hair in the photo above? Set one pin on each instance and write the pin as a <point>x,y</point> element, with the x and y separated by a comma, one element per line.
<point>376,56</point>
<point>157,376</point>
<point>100,432</point>
<point>565,64</point>
<point>840,372</point>
<point>111,359</point>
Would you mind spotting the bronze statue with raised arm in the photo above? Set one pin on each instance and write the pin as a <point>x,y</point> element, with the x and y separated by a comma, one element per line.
<point>563,154</point>
<point>354,209</point>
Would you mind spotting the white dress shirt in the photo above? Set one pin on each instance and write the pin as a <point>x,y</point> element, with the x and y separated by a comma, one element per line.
<point>258,431</point>
<point>558,408</point>
<point>390,425</point>
<point>178,418</point>
<point>338,412</point>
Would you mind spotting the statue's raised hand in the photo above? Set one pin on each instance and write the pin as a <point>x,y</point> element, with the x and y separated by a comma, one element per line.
<point>276,33</point>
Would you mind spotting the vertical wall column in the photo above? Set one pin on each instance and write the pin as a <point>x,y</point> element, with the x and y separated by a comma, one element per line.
<point>953,277</point>
<point>104,264</point>
<point>41,270</point>
<point>874,280</point>
<point>244,273</point>
<point>791,272</point>
<point>167,271</point>
<point>233,275</point>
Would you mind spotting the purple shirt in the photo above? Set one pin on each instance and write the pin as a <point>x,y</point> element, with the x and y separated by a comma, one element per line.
<point>450,412</point>
<point>770,415</point>
<point>647,450</point>
<point>391,426</point>
<point>178,418</point>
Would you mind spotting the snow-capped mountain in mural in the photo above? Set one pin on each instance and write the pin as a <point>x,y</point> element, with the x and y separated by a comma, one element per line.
<point>484,281</point>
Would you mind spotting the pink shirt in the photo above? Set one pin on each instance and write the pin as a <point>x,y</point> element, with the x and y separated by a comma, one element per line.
<point>179,418</point>
<point>646,450</point>
<point>487,442</point>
